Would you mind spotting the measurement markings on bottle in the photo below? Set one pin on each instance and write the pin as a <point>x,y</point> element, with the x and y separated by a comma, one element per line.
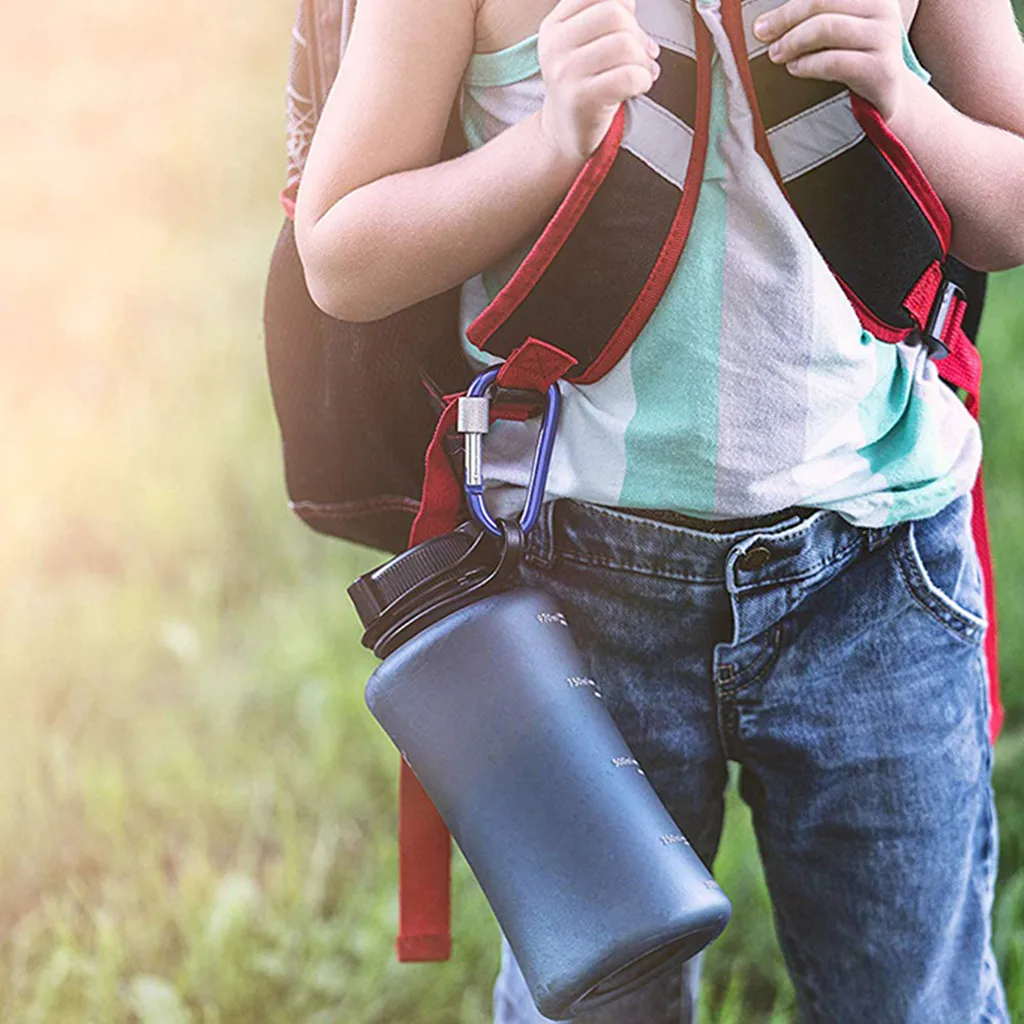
<point>552,619</point>
<point>576,681</point>
<point>673,839</point>
<point>624,762</point>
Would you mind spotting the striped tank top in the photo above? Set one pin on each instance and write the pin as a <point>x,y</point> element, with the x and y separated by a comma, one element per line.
<point>753,386</point>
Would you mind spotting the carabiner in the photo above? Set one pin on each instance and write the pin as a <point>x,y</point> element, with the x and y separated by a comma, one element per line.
<point>474,421</point>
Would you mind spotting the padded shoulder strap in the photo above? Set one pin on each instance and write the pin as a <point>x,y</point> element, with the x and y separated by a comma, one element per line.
<point>855,187</point>
<point>599,268</point>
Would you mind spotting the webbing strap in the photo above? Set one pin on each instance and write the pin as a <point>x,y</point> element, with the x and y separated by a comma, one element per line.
<point>962,368</point>
<point>424,844</point>
<point>424,875</point>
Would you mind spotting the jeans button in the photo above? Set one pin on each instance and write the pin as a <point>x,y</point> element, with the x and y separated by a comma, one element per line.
<point>754,558</point>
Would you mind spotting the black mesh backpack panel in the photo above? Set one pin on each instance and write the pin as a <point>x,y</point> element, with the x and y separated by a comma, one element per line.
<point>354,414</point>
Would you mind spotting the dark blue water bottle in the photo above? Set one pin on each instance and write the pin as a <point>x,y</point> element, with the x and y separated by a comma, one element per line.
<point>487,697</point>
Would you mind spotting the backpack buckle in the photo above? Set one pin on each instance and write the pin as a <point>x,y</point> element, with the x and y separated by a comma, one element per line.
<point>938,320</point>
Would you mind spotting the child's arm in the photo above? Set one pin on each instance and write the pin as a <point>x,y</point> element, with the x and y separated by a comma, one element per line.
<point>379,223</point>
<point>966,129</point>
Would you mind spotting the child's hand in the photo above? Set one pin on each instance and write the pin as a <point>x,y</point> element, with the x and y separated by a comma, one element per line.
<point>593,55</point>
<point>856,42</point>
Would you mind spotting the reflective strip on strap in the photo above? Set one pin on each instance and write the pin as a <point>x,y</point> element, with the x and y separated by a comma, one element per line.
<point>752,10</point>
<point>670,22</point>
<point>814,136</point>
<point>658,138</point>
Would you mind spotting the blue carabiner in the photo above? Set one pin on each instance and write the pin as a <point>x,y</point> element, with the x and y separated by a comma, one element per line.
<point>474,418</point>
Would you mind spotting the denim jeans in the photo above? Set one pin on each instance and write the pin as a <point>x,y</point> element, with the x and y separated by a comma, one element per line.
<point>843,669</point>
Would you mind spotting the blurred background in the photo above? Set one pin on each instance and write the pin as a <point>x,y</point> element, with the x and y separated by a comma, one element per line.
<point>197,812</point>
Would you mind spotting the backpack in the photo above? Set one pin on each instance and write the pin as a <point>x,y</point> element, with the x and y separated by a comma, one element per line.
<point>366,414</point>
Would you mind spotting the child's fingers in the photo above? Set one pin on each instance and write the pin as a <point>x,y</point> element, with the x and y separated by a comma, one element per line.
<point>825,32</point>
<point>607,53</point>
<point>606,17</point>
<point>851,67</point>
<point>774,24</point>
<point>565,9</point>
<point>860,46</point>
<point>614,85</point>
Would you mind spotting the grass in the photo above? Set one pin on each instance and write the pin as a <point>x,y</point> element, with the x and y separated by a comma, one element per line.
<point>197,813</point>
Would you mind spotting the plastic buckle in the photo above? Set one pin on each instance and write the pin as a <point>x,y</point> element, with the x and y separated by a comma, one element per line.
<point>938,318</point>
<point>474,419</point>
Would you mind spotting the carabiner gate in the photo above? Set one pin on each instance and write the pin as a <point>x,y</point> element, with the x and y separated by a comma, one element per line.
<point>474,422</point>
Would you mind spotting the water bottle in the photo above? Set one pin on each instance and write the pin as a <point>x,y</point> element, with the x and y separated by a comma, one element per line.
<point>487,697</point>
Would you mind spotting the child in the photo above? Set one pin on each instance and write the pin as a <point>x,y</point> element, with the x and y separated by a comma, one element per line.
<point>765,551</point>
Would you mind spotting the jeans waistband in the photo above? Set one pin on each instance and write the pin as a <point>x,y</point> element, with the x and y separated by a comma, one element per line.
<point>794,548</point>
<point>718,525</point>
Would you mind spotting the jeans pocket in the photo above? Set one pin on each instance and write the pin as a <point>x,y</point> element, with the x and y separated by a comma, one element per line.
<point>939,565</point>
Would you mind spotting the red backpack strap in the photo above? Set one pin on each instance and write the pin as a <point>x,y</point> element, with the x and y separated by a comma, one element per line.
<point>962,368</point>
<point>424,845</point>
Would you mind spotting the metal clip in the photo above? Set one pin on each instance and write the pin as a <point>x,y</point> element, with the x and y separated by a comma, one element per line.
<point>474,420</point>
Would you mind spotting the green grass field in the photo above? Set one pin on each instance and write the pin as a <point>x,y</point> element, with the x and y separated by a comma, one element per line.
<point>197,811</point>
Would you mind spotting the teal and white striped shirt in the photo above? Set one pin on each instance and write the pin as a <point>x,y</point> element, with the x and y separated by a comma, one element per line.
<point>753,386</point>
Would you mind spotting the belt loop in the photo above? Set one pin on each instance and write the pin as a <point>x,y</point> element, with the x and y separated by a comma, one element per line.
<point>878,536</point>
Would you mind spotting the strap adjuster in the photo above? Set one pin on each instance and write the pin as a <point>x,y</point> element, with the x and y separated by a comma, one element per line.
<point>938,320</point>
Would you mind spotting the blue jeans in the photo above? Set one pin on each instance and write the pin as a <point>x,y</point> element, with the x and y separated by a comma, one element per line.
<point>843,669</point>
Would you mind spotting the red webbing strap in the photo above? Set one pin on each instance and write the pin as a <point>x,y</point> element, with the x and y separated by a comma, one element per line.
<point>534,366</point>
<point>439,505</point>
<point>962,368</point>
<point>924,294</point>
<point>981,539</point>
<point>424,875</point>
<point>424,845</point>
